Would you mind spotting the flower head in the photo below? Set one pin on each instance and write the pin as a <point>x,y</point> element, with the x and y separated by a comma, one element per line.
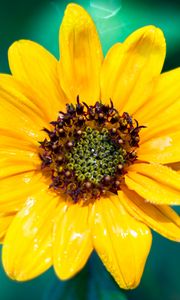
<point>89,147</point>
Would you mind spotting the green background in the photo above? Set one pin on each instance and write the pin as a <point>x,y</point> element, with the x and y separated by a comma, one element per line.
<point>39,21</point>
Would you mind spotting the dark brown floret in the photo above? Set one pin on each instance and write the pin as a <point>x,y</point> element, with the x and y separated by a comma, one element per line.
<point>88,149</point>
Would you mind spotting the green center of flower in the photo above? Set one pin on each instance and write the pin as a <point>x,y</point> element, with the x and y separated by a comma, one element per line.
<point>94,156</point>
<point>88,149</point>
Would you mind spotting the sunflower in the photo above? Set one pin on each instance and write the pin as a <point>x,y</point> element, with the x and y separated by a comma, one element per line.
<point>89,151</point>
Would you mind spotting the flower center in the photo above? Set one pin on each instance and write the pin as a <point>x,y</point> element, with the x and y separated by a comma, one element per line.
<point>95,156</point>
<point>87,151</point>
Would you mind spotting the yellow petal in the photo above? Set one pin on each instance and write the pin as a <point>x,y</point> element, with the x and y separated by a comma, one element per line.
<point>164,123</point>
<point>14,140</point>
<point>18,161</point>
<point>158,172</point>
<point>16,188</point>
<point>164,149</point>
<point>128,69</point>
<point>165,93</point>
<point>27,250</point>
<point>18,117</point>
<point>72,243</point>
<point>109,76</point>
<point>14,170</point>
<point>160,218</point>
<point>151,190</point>
<point>9,154</point>
<point>81,55</point>
<point>21,96</point>
<point>5,221</point>
<point>37,68</point>
<point>122,242</point>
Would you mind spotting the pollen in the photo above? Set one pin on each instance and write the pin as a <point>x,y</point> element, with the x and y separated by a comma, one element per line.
<point>88,150</point>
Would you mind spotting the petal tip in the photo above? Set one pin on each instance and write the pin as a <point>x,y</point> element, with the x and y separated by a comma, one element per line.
<point>74,9</point>
<point>65,274</point>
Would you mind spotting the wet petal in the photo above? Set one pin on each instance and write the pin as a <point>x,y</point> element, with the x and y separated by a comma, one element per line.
<point>81,55</point>
<point>37,68</point>
<point>72,242</point>
<point>128,69</point>
<point>164,149</point>
<point>16,188</point>
<point>121,241</point>
<point>27,250</point>
<point>151,190</point>
<point>160,218</point>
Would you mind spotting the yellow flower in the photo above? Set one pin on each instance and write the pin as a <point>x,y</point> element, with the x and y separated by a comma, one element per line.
<point>110,164</point>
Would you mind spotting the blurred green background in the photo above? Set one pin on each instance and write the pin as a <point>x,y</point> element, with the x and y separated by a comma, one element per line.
<point>39,20</point>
